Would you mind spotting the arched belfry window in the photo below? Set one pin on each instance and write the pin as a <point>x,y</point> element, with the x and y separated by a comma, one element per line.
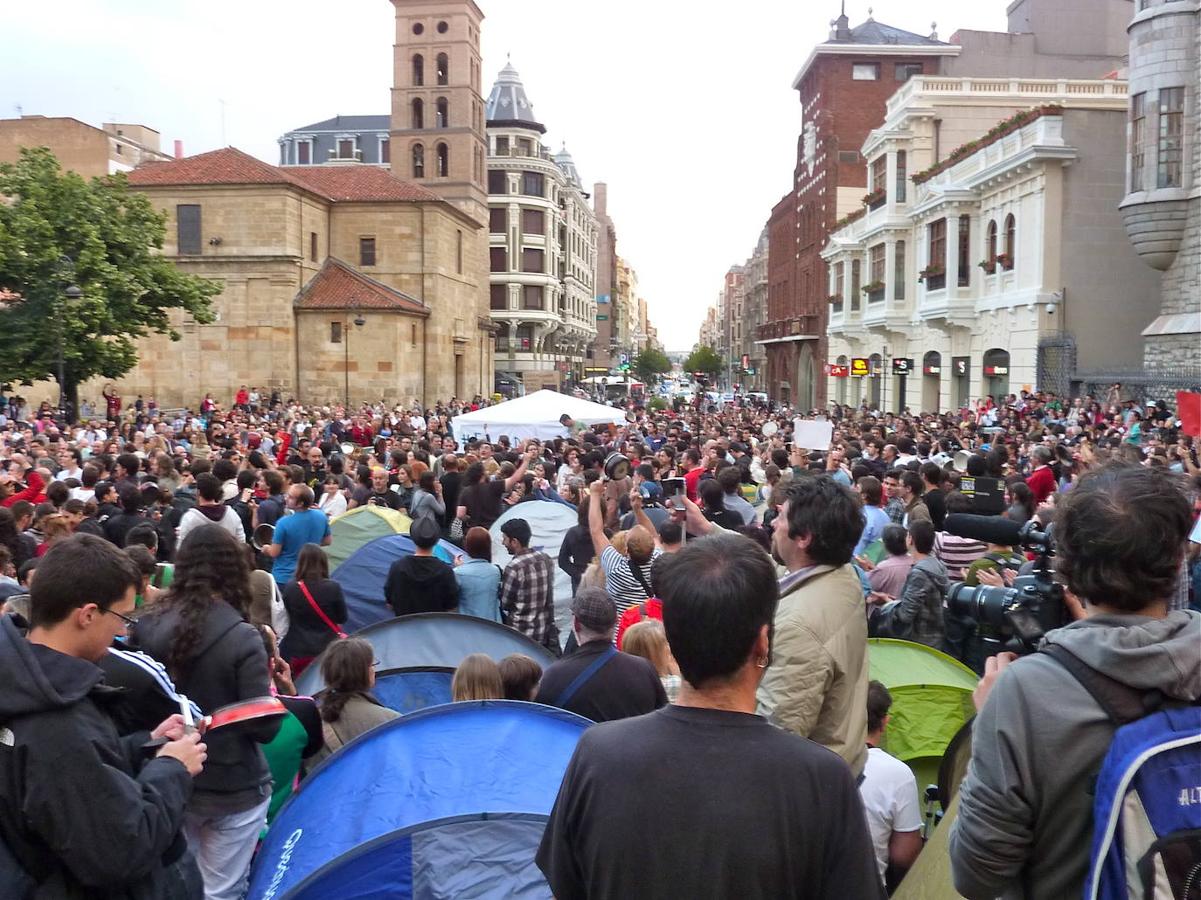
<point>442,67</point>
<point>418,113</point>
<point>418,161</point>
<point>443,161</point>
<point>418,70</point>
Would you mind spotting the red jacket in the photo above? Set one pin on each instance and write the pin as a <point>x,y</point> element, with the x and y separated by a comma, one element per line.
<point>33,492</point>
<point>1042,483</point>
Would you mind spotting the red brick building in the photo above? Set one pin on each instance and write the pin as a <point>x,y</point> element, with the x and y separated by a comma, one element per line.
<point>843,86</point>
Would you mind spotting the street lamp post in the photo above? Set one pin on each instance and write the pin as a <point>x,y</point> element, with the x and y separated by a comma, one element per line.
<point>360,322</point>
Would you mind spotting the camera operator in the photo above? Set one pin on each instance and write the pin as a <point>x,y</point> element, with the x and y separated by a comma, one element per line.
<point>1025,821</point>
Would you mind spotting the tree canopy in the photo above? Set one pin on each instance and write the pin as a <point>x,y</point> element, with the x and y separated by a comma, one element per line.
<point>649,364</point>
<point>56,230</point>
<point>704,359</point>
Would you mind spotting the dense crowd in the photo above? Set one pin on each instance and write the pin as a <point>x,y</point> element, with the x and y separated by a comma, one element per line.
<point>725,581</point>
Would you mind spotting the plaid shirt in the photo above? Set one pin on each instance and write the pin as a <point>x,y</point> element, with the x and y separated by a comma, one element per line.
<point>527,595</point>
<point>895,508</point>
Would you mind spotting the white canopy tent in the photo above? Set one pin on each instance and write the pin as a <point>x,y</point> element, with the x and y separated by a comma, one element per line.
<point>535,415</point>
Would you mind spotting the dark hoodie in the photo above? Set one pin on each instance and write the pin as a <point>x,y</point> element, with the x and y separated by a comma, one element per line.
<point>83,808</point>
<point>419,584</point>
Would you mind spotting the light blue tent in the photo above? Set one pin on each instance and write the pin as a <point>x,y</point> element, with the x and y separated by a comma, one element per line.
<point>417,656</point>
<point>364,573</point>
<point>445,802</point>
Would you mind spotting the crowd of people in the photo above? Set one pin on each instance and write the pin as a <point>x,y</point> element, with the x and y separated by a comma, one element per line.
<point>725,582</point>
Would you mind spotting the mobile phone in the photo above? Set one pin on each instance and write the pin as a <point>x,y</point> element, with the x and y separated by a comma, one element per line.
<point>674,489</point>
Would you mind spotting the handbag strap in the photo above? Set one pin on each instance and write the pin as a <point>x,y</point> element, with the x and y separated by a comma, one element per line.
<point>584,677</point>
<point>318,610</point>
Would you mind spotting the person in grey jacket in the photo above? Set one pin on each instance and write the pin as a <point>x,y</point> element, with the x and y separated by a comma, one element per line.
<point>1025,820</point>
<point>427,499</point>
<point>917,614</point>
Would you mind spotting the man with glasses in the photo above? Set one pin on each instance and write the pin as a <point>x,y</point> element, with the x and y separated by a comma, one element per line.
<point>84,811</point>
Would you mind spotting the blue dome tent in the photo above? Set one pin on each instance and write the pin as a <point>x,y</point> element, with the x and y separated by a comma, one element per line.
<point>365,571</point>
<point>418,655</point>
<point>441,803</point>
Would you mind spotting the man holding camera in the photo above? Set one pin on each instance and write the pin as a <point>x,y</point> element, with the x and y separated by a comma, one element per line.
<point>1025,820</point>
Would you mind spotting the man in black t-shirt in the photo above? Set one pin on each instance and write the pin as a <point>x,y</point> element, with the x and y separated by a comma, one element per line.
<point>773,815</point>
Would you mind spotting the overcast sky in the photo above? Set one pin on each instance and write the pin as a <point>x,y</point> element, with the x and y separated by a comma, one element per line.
<point>685,110</point>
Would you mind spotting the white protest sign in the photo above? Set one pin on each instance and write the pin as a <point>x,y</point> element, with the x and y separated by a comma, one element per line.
<point>812,435</point>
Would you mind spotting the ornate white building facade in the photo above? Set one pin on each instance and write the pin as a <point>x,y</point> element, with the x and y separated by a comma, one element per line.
<point>542,245</point>
<point>990,228</point>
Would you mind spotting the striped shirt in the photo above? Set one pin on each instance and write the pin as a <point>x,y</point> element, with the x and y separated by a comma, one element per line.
<point>620,582</point>
<point>957,553</point>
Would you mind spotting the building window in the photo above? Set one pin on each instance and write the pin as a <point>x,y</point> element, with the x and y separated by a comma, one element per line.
<point>498,259</point>
<point>902,177</point>
<point>533,260</point>
<point>418,117</point>
<point>413,335</point>
<point>418,70</point>
<point>905,71</point>
<point>335,332</point>
<point>990,249</point>
<point>346,148</point>
<point>502,145</point>
<point>938,244</point>
<point>898,271</point>
<point>1138,124</point>
<point>459,252</point>
<point>865,72</point>
<point>965,250</point>
<point>187,221</point>
<point>533,296</point>
<point>498,219</point>
<point>304,153</point>
<point>443,161</point>
<point>533,221</point>
<point>875,258</point>
<point>533,184</point>
<point>497,184</point>
<point>502,340</point>
<point>442,68</point>
<point>879,173</point>
<point>1010,243</point>
<point>313,246</point>
<point>499,296</point>
<point>855,284</point>
<point>525,337</point>
<point>418,161</point>
<point>385,152</point>
<point>839,271</point>
<point>1171,136</point>
<point>441,113</point>
<point>524,147</point>
<point>442,26</point>
<point>366,251</point>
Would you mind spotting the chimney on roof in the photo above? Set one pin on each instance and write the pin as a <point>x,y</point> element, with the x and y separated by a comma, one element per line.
<point>178,149</point>
<point>842,25</point>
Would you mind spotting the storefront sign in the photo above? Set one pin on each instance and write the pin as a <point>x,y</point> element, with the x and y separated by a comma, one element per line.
<point>960,365</point>
<point>901,365</point>
<point>859,367</point>
<point>932,370</point>
<point>996,370</point>
<point>838,371</point>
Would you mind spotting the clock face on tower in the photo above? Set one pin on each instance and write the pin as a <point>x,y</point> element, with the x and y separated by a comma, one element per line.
<point>809,130</point>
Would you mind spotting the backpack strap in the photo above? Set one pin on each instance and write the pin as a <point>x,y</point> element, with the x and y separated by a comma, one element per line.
<point>1122,703</point>
<point>636,571</point>
<point>641,611</point>
<point>584,677</point>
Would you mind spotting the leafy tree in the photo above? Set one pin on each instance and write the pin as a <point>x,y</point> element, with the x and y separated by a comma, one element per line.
<point>650,364</point>
<point>704,359</point>
<point>56,230</point>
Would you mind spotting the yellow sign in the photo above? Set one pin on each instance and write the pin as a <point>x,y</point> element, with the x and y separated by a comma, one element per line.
<point>859,367</point>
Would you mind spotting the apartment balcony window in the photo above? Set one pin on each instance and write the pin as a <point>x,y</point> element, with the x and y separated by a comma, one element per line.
<point>502,146</point>
<point>902,177</point>
<point>855,285</point>
<point>533,184</point>
<point>498,219</point>
<point>965,250</point>
<point>346,148</point>
<point>1171,137</point>
<point>1006,258</point>
<point>533,296</point>
<point>533,221</point>
<point>533,260</point>
<point>1138,126</point>
<point>498,259</point>
<point>525,338</point>
<point>497,183</point>
<point>498,296</point>
<point>899,271</point>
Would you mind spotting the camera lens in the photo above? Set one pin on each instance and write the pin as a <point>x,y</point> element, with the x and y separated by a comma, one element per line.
<point>985,604</point>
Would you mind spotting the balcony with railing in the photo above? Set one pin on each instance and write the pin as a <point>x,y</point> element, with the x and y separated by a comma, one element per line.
<point>1026,91</point>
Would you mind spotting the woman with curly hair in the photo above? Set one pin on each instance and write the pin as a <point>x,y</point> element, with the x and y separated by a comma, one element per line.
<point>199,630</point>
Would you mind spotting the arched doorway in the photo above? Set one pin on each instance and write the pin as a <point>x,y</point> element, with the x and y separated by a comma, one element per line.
<point>806,378</point>
<point>931,381</point>
<point>996,374</point>
<point>840,384</point>
<point>875,378</point>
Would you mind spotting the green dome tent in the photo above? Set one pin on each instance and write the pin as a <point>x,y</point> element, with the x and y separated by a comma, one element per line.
<point>931,699</point>
<point>360,526</point>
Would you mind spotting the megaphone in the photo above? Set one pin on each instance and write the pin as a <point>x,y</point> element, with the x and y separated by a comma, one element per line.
<point>263,536</point>
<point>617,466</point>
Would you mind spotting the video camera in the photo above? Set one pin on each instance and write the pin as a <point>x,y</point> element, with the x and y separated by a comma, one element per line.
<point>1013,618</point>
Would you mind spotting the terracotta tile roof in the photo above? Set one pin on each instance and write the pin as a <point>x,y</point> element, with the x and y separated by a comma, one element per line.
<point>338,286</point>
<point>358,182</point>
<point>349,183</point>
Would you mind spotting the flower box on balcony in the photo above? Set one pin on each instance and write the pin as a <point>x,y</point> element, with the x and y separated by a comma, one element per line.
<point>834,298</point>
<point>988,265</point>
<point>1005,261</point>
<point>934,276</point>
<point>875,199</point>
